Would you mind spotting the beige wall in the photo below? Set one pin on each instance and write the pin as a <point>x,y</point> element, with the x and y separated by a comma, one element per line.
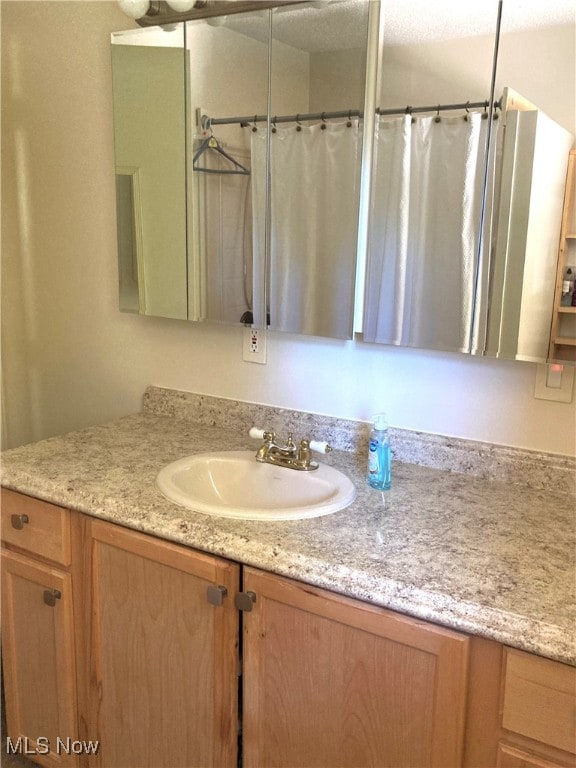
<point>72,359</point>
<point>461,70</point>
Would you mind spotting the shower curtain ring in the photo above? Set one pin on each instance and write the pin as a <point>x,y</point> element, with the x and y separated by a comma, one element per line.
<point>298,126</point>
<point>274,124</point>
<point>322,116</point>
<point>206,124</point>
<point>349,123</point>
<point>467,111</point>
<point>255,127</point>
<point>437,119</point>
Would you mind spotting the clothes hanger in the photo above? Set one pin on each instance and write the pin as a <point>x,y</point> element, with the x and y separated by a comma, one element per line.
<point>211,143</point>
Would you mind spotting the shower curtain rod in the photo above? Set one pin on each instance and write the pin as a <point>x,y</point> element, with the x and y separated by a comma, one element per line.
<point>207,122</point>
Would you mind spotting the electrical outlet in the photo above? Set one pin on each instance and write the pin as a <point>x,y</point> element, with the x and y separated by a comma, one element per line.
<point>254,345</point>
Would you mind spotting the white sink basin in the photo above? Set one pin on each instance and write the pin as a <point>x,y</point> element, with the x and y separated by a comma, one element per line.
<point>234,484</point>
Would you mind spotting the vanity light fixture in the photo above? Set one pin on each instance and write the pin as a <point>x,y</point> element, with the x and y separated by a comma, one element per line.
<point>151,13</point>
<point>135,8</point>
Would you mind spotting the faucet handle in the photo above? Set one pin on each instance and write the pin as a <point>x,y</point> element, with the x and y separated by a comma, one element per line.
<point>262,434</point>
<point>320,446</point>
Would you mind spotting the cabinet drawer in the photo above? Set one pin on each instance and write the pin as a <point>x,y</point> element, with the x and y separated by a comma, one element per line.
<point>540,700</point>
<point>36,526</point>
<point>510,756</point>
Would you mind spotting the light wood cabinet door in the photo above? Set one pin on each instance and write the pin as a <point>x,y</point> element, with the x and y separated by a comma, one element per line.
<point>38,656</point>
<point>330,682</point>
<point>164,659</point>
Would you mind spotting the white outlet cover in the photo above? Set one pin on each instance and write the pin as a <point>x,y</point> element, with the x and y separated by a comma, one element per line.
<point>254,345</point>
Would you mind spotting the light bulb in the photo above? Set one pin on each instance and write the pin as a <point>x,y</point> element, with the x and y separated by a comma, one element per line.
<point>181,6</point>
<point>134,8</point>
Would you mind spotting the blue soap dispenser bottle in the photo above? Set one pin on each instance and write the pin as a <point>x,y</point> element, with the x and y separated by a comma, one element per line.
<point>379,474</point>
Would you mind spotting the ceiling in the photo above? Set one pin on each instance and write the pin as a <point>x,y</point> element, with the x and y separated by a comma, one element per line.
<point>311,28</point>
<point>408,22</point>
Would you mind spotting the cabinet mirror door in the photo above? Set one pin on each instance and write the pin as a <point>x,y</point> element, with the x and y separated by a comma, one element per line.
<point>465,211</point>
<point>258,221</point>
<point>532,141</point>
<point>228,79</point>
<point>277,245</point>
<point>315,163</point>
<point>148,71</point>
<point>425,247</point>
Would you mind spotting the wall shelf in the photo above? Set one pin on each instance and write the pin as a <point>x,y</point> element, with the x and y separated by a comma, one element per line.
<point>563,331</point>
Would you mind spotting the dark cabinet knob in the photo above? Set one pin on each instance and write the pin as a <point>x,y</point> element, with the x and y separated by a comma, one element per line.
<point>51,595</point>
<point>216,594</point>
<point>19,521</point>
<point>245,600</point>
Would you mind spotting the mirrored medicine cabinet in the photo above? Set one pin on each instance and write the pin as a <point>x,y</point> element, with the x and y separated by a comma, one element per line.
<point>244,196</point>
<point>264,228</point>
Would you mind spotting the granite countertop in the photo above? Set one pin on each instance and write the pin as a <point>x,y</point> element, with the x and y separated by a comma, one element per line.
<point>486,557</point>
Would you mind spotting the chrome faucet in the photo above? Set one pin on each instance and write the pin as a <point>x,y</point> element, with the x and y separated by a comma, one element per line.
<point>289,455</point>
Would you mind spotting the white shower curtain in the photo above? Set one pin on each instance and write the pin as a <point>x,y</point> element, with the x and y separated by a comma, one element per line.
<point>424,232</point>
<point>314,174</point>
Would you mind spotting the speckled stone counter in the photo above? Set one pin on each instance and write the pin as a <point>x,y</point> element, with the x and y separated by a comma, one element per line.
<point>488,557</point>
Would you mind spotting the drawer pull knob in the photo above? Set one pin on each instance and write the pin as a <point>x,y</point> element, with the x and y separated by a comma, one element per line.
<point>51,595</point>
<point>19,521</point>
<point>216,594</point>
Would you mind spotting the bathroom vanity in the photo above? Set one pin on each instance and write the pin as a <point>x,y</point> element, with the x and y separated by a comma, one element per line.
<point>432,625</point>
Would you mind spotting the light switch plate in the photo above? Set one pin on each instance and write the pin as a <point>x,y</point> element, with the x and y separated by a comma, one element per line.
<point>563,392</point>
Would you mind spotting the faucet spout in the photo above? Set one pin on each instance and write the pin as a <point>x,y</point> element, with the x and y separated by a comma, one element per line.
<point>288,455</point>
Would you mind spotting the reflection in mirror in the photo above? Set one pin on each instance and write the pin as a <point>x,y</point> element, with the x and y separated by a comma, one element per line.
<point>427,194</point>
<point>450,289</point>
<point>228,68</point>
<point>533,152</point>
<point>432,282</point>
<point>150,153</point>
<point>532,141</point>
<point>315,155</point>
<point>130,259</point>
<point>295,271</point>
